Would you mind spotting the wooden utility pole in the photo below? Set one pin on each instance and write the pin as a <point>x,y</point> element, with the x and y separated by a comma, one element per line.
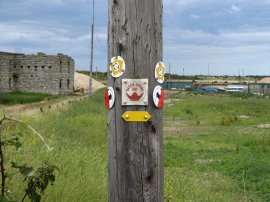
<point>92,52</point>
<point>169,88</point>
<point>135,148</point>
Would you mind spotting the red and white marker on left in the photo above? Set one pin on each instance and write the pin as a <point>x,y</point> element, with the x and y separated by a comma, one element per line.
<point>109,97</point>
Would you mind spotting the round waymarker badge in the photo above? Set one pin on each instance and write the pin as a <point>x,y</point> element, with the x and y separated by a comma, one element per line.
<point>160,72</point>
<point>109,97</point>
<point>158,97</point>
<point>117,66</point>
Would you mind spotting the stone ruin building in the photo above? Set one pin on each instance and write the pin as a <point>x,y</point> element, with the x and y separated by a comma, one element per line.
<point>53,74</point>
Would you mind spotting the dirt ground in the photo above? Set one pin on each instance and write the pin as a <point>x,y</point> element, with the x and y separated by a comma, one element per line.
<point>81,84</point>
<point>81,81</point>
<point>40,107</point>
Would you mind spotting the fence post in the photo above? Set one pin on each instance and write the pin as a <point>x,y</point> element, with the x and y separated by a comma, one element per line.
<point>135,165</point>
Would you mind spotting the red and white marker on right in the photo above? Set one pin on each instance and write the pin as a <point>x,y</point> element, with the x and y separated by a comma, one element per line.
<point>158,97</point>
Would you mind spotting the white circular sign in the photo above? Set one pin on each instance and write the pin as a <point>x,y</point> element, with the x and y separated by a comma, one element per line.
<point>158,97</point>
<point>117,66</point>
<point>109,97</point>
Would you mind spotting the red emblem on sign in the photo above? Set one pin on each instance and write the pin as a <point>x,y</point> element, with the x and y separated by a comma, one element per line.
<point>109,97</point>
<point>136,91</point>
<point>158,97</point>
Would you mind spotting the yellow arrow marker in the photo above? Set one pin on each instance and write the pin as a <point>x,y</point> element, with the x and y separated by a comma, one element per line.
<point>136,116</point>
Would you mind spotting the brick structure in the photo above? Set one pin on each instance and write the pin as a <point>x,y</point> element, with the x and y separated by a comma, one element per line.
<point>53,74</point>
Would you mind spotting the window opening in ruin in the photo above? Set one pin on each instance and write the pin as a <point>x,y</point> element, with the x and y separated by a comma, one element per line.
<point>35,68</point>
<point>21,66</point>
<point>28,67</point>
<point>60,84</point>
<point>15,77</point>
<point>14,66</point>
<point>9,82</point>
<point>68,83</point>
<point>31,76</point>
<point>42,67</point>
<point>68,67</point>
<point>50,67</point>
<point>60,66</point>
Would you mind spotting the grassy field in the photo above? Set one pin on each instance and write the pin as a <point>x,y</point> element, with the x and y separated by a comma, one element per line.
<point>23,98</point>
<point>215,147</point>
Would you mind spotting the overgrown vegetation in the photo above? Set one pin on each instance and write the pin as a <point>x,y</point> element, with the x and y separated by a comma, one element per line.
<point>23,98</point>
<point>79,138</point>
<point>37,181</point>
<point>213,149</point>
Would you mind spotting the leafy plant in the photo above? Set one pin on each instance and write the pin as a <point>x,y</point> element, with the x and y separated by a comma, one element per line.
<point>37,181</point>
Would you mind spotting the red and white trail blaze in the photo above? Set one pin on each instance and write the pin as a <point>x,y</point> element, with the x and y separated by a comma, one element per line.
<point>109,97</point>
<point>158,97</point>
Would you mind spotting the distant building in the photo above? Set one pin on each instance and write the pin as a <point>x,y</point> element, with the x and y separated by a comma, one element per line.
<point>178,85</point>
<point>237,88</point>
<point>53,74</point>
<point>259,88</point>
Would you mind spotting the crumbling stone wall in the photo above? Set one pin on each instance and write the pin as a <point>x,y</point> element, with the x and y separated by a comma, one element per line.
<point>52,74</point>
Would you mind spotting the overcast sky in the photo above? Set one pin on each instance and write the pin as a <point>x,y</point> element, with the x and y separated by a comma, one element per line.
<point>200,36</point>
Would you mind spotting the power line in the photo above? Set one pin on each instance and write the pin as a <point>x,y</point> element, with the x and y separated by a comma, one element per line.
<point>100,44</point>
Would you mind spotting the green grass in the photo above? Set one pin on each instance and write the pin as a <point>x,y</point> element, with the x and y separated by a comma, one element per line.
<point>23,97</point>
<point>226,153</point>
<point>211,152</point>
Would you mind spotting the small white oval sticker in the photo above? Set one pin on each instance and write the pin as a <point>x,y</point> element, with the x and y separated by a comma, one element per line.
<point>160,72</point>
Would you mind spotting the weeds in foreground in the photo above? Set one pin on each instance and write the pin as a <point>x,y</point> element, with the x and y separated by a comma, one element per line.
<point>37,181</point>
<point>228,119</point>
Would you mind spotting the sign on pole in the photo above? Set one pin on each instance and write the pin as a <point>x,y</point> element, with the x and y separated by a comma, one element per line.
<point>134,92</point>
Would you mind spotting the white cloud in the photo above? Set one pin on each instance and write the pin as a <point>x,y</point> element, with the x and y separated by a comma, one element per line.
<point>195,17</point>
<point>226,50</point>
<point>233,9</point>
<point>184,4</point>
<point>224,37</point>
<point>64,26</point>
<point>212,50</point>
<point>29,37</point>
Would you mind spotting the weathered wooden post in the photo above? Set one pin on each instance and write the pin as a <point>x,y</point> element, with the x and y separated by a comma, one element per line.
<point>135,148</point>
